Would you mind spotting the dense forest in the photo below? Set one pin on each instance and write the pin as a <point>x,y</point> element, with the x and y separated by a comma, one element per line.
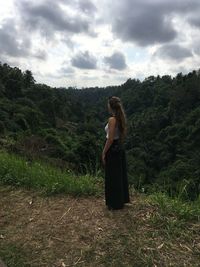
<point>65,127</point>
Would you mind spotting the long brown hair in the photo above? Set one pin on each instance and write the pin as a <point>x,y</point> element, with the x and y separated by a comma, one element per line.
<point>118,110</point>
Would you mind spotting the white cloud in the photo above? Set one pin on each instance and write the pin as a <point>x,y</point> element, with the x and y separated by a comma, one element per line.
<point>74,43</point>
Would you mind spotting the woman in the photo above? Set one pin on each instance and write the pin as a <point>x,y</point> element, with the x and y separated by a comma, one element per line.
<point>114,157</point>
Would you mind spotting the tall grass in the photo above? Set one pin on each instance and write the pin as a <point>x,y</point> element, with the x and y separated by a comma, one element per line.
<point>15,170</point>
<point>184,210</point>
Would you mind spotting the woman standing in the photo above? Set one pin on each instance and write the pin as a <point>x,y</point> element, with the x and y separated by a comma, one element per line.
<point>114,157</point>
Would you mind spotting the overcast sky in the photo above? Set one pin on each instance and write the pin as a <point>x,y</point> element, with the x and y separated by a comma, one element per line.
<point>98,43</point>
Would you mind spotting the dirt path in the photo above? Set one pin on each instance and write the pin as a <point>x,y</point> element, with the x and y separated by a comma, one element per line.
<point>66,231</point>
<point>60,228</point>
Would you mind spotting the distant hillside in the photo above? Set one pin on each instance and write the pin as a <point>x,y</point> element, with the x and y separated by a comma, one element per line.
<point>66,127</point>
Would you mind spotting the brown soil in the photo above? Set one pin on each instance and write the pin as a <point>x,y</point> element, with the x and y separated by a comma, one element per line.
<point>66,231</point>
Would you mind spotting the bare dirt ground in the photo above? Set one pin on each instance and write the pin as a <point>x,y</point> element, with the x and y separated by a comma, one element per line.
<point>65,231</point>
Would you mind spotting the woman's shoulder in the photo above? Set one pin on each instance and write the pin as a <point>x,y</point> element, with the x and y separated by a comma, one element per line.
<point>112,120</point>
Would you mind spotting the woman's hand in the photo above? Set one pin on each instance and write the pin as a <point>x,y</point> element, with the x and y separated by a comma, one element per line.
<point>103,158</point>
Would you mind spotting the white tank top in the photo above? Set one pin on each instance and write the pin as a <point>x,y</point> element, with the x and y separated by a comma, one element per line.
<point>116,136</point>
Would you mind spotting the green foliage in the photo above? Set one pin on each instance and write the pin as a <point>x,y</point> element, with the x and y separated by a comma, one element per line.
<point>32,116</point>
<point>2,90</point>
<point>28,79</point>
<point>12,126</point>
<point>45,131</point>
<point>13,88</point>
<point>59,147</point>
<point>47,107</point>
<point>2,128</point>
<point>21,121</point>
<point>24,101</point>
<point>3,115</point>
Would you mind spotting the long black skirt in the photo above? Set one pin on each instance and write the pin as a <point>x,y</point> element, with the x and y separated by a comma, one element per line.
<point>116,180</point>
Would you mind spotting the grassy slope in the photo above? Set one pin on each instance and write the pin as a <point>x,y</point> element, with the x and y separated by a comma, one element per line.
<point>15,170</point>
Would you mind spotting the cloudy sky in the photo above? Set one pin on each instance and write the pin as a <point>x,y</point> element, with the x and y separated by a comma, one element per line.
<point>99,43</point>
